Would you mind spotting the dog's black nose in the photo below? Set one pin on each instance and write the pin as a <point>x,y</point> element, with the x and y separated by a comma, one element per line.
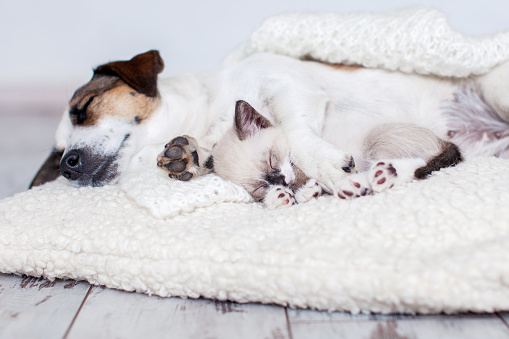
<point>84,167</point>
<point>71,166</point>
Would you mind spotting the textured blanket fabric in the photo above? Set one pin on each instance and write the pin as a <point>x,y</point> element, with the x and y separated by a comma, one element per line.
<point>430,246</point>
<point>412,40</point>
<point>438,245</point>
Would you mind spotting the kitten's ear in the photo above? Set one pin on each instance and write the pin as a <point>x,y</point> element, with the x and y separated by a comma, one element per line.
<point>248,121</point>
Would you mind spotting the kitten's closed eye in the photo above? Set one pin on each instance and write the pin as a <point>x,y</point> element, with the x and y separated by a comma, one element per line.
<point>260,190</point>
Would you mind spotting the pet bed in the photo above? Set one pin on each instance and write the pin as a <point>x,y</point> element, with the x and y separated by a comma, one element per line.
<point>438,245</point>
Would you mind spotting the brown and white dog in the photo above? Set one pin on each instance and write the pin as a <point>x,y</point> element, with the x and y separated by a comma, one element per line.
<point>119,121</point>
<point>107,117</point>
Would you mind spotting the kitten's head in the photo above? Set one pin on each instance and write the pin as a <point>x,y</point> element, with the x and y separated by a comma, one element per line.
<point>254,153</point>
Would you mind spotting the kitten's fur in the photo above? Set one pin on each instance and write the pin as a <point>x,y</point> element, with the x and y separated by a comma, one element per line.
<point>255,154</point>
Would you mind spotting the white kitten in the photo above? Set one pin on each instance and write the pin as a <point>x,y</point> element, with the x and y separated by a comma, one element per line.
<point>255,154</point>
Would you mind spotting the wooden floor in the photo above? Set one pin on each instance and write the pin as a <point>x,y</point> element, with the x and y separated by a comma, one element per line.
<point>37,308</point>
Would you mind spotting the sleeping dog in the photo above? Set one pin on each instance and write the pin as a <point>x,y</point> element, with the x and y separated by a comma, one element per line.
<point>119,121</point>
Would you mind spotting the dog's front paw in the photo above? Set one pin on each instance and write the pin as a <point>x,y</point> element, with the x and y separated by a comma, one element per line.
<point>354,186</point>
<point>183,159</point>
<point>310,190</point>
<point>279,196</point>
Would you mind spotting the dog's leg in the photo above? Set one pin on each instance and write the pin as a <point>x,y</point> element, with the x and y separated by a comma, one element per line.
<point>495,88</point>
<point>50,170</point>
<point>183,159</point>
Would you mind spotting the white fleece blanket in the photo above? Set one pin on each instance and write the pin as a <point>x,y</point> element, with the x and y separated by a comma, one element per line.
<point>412,40</point>
<point>438,245</point>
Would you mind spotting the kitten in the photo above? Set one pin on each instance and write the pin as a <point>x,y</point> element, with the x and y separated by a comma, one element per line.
<point>255,154</point>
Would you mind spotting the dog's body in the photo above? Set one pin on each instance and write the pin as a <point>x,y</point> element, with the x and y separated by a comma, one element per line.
<point>118,122</point>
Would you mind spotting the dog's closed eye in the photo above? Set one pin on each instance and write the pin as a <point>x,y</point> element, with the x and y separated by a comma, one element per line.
<point>79,115</point>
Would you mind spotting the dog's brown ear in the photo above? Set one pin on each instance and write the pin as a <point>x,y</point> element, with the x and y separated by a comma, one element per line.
<point>140,72</point>
<point>50,170</point>
<point>248,121</point>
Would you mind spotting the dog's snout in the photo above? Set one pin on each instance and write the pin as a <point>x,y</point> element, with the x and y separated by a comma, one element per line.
<point>71,165</point>
<point>84,167</point>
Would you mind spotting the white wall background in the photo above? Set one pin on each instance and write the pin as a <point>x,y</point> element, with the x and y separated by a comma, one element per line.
<point>56,43</point>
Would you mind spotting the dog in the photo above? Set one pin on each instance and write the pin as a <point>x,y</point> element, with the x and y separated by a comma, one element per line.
<point>119,121</point>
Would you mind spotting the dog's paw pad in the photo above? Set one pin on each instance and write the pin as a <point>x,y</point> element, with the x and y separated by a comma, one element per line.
<point>180,158</point>
<point>174,152</point>
<point>181,141</point>
<point>383,176</point>
<point>279,196</point>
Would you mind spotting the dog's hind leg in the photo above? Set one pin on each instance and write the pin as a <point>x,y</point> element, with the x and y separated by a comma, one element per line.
<point>495,89</point>
<point>183,159</point>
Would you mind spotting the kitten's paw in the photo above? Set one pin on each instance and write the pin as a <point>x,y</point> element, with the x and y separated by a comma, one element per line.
<point>354,186</point>
<point>328,166</point>
<point>310,190</point>
<point>386,173</point>
<point>183,159</point>
<point>383,176</point>
<point>279,196</point>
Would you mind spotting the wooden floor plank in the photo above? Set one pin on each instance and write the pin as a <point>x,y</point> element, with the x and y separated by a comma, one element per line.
<point>38,308</point>
<point>311,316</point>
<point>505,317</point>
<point>26,139</point>
<point>109,313</point>
<point>473,328</point>
<point>309,324</point>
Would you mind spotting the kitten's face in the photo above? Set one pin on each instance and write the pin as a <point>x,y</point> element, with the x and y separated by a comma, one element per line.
<point>255,154</point>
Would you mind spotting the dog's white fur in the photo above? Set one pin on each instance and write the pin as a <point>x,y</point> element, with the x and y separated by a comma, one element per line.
<point>297,96</point>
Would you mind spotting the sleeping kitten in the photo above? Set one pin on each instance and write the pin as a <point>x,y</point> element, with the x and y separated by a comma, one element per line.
<point>254,153</point>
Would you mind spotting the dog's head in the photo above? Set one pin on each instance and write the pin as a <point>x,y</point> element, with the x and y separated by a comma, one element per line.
<point>105,122</point>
